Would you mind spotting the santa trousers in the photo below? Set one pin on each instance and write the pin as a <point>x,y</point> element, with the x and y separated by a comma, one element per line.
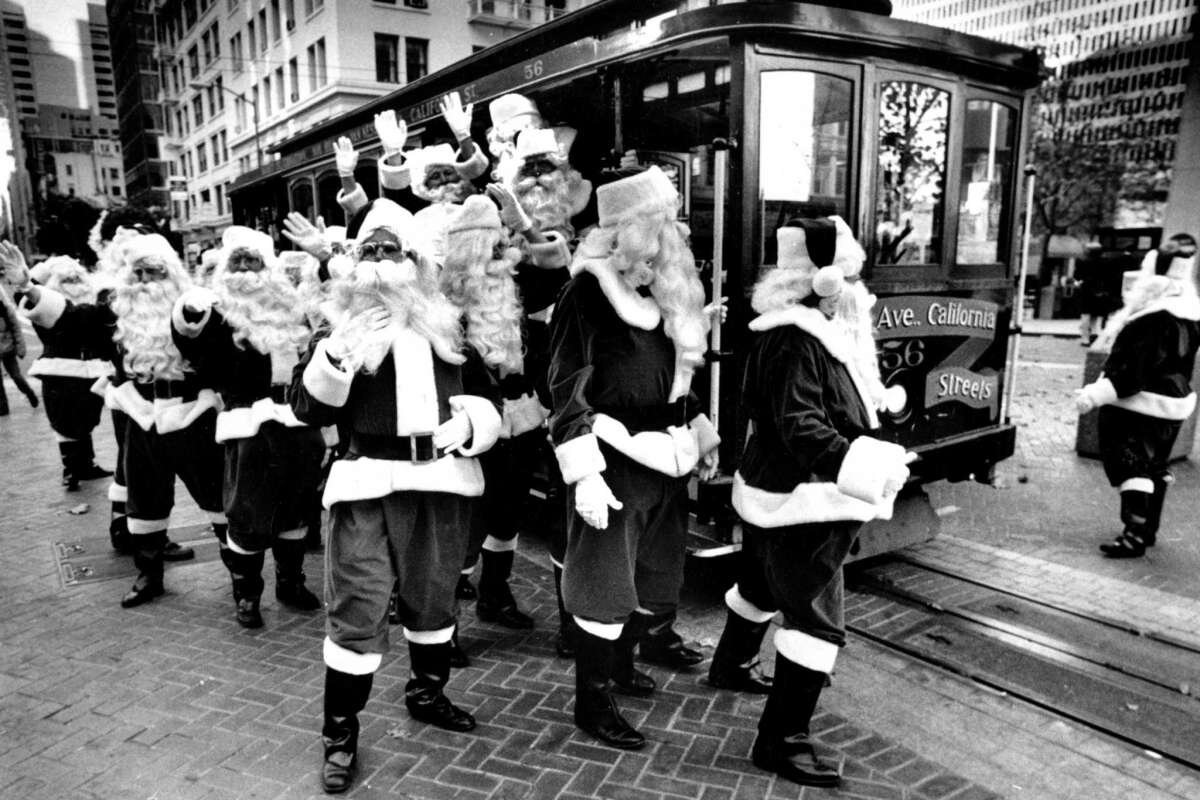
<point>637,561</point>
<point>270,480</point>
<point>153,459</point>
<point>1134,445</point>
<point>119,422</point>
<point>507,474</point>
<point>415,538</point>
<point>797,569</point>
<point>72,408</point>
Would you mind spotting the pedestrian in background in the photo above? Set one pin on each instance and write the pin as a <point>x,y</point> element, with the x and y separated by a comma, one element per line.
<point>12,350</point>
<point>1099,292</point>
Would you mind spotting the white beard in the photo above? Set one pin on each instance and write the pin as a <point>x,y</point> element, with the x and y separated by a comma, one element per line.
<point>264,311</point>
<point>144,330</point>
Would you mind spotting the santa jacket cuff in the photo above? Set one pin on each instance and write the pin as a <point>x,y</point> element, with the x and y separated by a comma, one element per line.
<point>327,383</point>
<point>1102,392</point>
<point>485,422</point>
<point>579,457</point>
<point>353,201</point>
<point>552,253</point>
<point>870,464</point>
<point>394,176</point>
<point>186,327</point>
<point>49,309</point>
<point>707,438</point>
<point>474,166</point>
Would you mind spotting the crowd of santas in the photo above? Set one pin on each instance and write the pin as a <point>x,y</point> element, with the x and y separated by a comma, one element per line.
<point>405,372</point>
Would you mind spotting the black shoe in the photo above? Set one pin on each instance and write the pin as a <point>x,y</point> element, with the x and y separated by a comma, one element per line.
<point>345,696</point>
<point>795,759</point>
<point>503,613</point>
<point>746,678</point>
<point>70,481</point>
<point>174,551</point>
<point>143,591</point>
<point>289,575</point>
<point>783,745</point>
<point>735,662</point>
<point>423,695</point>
<point>248,615</point>
<point>465,589</point>
<point>337,772</point>
<point>93,471</point>
<point>661,645</point>
<point>626,678</point>
<point>596,712</point>
<point>1127,545</point>
<point>148,558</point>
<point>295,594</point>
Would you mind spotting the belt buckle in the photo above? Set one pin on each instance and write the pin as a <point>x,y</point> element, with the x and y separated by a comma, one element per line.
<point>419,454</point>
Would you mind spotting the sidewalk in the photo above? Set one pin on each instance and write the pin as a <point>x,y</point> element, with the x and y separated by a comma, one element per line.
<point>174,701</point>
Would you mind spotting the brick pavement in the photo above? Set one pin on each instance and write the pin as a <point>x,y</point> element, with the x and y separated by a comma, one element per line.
<point>174,700</point>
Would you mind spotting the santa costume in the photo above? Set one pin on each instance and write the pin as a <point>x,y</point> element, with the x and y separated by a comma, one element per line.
<point>416,412</point>
<point>244,335</point>
<point>1144,393</point>
<point>627,434</point>
<point>811,473</point>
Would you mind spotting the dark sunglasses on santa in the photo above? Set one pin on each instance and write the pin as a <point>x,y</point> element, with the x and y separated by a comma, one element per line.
<point>384,251</point>
<point>536,168</point>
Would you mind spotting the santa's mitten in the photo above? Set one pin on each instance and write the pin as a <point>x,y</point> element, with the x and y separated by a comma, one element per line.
<point>511,214</point>
<point>192,310</point>
<point>873,470</point>
<point>1094,395</point>
<point>593,499</point>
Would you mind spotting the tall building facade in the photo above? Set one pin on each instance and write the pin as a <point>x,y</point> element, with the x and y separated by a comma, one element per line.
<point>1120,66</point>
<point>98,68</point>
<point>18,102</point>
<point>239,76</point>
<point>76,155</point>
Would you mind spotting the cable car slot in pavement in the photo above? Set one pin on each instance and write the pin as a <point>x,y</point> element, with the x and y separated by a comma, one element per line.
<point>92,559</point>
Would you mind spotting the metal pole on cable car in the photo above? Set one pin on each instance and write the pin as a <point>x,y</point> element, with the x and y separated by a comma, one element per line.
<point>720,166</point>
<point>1019,301</point>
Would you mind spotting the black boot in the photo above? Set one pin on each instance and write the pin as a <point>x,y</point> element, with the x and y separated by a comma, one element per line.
<point>783,744</point>
<point>465,590</point>
<point>1155,509</point>
<point>312,528</point>
<point>735,661</point>
<point>564,642</point>
<point>496,602</point>
<point>596,712</point>
<point>661,645</point>
<point>118,529</point>
<point>69,453</point>
<point>458,657</point>
<point>148,558</point>
<point>289,575</point>
<point>423,693</point>
<point>245,573</point>
<point>88,469</point>
<point>1135,513</point>
<point>345,696</point>
<point>628,679</point>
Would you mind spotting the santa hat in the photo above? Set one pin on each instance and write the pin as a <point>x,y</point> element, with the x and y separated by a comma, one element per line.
<point>420,161</point>
<point>826,247</point>
<point>477,213</point>
<point>50,271</point>
<point>152,246</point>
<point>239,237</point>
<point>1175,259</point>
<point>643,193</point>
<point>550,143</point>
<point>384,214</point>
<point>511,112</point>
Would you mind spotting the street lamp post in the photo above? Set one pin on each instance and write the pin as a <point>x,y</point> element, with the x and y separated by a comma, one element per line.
<point>242,97</point>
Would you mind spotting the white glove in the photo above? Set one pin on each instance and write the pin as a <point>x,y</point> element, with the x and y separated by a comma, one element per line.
<point>13,269</point>
<point>1084,402</point>
<point>710,465</point>
<point>198,299</point>
<point>453,433</point>
<point>457,116</point>
<point>345,157</point>
<point>306,236</point>
<point>900,472</point>
<point>344,340</point>
<point>511,213</point>
<point>393,132</point>
<point>593,499</point>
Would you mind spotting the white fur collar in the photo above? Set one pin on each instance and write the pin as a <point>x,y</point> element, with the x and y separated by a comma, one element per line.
<point>811,321</point>
<point>1182,306</point>
<point>637,311</point>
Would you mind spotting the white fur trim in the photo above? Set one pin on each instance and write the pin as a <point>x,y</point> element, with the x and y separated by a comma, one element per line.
<point>232,544</point>
<point>469,570</point>
<point>1182,306</point>
<point>353,202</point>
<point>283,364</point>
<point>744,608</point>
<point>1143,485</point>
<point>474,166</point>
<point>58,437</point>
<point>805,650</point>
<point>869,466</point>
<point>141,527</point>
<point>524,414</point>
<point>327,384</point>
<point>485,422</point>
<point>807,502</point>
<point>164,415</point>
<point>836,343</point>
<point>605,630</point>
<point>579,457</point>
<point>372,478</point>
<point>440,636</point>
<point>392,176</point>
<point>1101,392</point>
<point>242,423</point>
<point>118,493</point>
<point>674,452</point>
<point>91,369</point>
<point>197,295</point>
<point>49,309</point>
<point>552,253</point>
<point>1159,406</point>
<point>494,545</point>
<point>416,389</point>
<point>637,311</point>
<point>100,385</point>
<point>707,438</point>
<point>339,658</point>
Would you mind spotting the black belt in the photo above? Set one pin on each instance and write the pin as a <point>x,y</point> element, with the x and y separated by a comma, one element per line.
<point>648,418</point>
<point>278,393</point>
<point>416,447</point>
<point>165,390</point>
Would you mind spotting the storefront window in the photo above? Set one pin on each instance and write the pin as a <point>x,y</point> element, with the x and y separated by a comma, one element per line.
<point>989,139</point>
<point>911,182</point>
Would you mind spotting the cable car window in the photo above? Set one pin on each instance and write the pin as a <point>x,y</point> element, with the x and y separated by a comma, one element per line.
<point>804,152</point>
<point>910,189</point>
<point>989,151</point>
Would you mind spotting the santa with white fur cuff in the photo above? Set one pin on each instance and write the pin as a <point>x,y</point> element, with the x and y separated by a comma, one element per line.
<point>810,475</point>
<point>416,409</point>
<point>626,336</point>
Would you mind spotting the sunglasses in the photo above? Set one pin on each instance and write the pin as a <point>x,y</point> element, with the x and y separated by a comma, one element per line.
<point>536,168</point>
<point>384,251</point>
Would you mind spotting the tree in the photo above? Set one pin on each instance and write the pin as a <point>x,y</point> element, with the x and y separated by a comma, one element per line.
<point>63,226</point>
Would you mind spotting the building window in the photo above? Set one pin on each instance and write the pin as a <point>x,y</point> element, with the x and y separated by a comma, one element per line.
<point>206,45</point>
<point>235,50</point>
<point>224,146</point>
<point>193,57</point>
<point>312,6</point>
<point>266,96</point>
<point>216,40</point>
<point>280,89</point>
<point>220,200</point>
<point>294,75</point>
<point>289,14</point>
<point>202,157</point>
<point>316,64</point>
<point>262,30</point>
<point>198,110</point>
<point>216,151</point>
<point>220,93</point>
<point>250,38</point>
<point>276,28</point>
<point>69,171</point>
<point>416,58</point>
<point>387,58</point>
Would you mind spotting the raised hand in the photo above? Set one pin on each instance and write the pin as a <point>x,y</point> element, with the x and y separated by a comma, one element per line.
<point>718,309</point>
<point>511,213</point>
<point>306,236</point>
<point>345,156</point>
<point>13,269</point>
<point>392,131</point>
<point>457,116</point>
